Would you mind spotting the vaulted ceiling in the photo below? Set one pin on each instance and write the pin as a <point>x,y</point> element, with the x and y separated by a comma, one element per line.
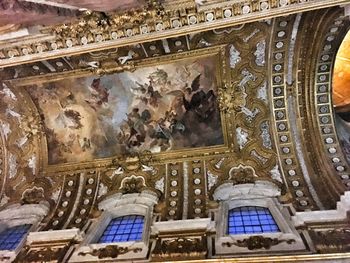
<point>178,100</point>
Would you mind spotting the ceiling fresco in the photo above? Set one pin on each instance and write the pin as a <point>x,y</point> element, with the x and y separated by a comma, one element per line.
<point>159,108</point>
<point>221,99</point>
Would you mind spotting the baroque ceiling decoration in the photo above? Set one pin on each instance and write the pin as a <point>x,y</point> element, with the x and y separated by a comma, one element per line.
<point>156,102</point>
<point>244,101</point>
<point>101,31</point>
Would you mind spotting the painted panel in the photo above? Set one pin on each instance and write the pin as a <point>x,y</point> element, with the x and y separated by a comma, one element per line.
<point>160,108</point>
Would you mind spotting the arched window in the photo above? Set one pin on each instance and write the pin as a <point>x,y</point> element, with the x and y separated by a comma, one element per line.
<point>125,222</point>
<point>251,220</point>
<point>123,229</point>
<point>12,236</point>
<point>248,210</point>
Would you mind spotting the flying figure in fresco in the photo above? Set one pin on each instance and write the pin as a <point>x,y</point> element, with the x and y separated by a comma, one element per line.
<point>84,143</point>
<point>159,78</point>
<point>196,100</point>
<point>201,102</point>
<point>99,95</point>
<point>147,94</point>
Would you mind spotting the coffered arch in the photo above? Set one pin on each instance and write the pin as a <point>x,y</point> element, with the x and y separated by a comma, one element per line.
<point>314,87</point>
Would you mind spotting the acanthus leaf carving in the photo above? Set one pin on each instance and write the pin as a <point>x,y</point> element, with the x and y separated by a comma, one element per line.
<point>258,242</point>
<point>178,247</point>
<point>242,175</point>
<point>110,251</point>
<point>33,195</point>
<point>44,254</point>
<point>100,23</point>
<point>232,97</point>
<point>132,184</point>
<point>132,163</point>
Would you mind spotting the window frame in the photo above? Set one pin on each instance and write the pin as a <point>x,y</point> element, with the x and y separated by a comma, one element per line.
<point>17,214</point>
<point>266,203</point>
<point>120,227</point>
<point>23,238</point>
<point>132,209</point>
<point>115,206</point>
<point>286,228</point>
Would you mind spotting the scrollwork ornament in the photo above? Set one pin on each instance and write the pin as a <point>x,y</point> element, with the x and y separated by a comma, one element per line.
<point>132,184</point>
<point>133,163</point>
<point>110,251</point>
<point>33,195</point>
<point>258,242</point>
<point>242,175</point>
<point>101,24</point>
<point>111,67</point>
<point>45,254</point>
<point>177,247</point>
<point>333,240</point>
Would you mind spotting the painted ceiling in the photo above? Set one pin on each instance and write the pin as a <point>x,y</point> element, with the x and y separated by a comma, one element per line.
<point>197,101</point>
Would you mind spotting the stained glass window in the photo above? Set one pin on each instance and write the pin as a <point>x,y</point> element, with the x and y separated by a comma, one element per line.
<point>12,236</point>
<point>251,220</point>
<point>124,228</point>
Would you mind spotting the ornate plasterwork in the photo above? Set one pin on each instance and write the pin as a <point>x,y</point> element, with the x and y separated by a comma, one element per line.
<point>212,179</point>
<point>186,184</point>
<point>329,241</point>
<point>21,149</point>
<point>234,56</point>
<point>152,22</point>
<point>110,251</point>
<point>328,162</point>
<point>260,53</point>
<point>323,102</point>
<point>258,242</point>
<point>186,179</point>
<point>290,164</point>
<point>180,247</point>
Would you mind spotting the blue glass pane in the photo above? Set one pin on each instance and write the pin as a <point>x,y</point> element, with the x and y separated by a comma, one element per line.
<point>251,220</point>
<point>12,236</point>
<point>124,228</point>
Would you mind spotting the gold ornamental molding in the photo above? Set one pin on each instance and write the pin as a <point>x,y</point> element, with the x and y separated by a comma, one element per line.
<point>99,31</point>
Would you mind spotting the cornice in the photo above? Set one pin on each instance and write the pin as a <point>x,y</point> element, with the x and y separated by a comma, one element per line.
<point>98,31</point>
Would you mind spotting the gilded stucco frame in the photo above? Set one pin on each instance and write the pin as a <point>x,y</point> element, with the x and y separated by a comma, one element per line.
<point>106,67</point>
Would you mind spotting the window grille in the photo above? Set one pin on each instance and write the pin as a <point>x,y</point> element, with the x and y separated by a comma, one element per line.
<point>122,229</point>
<point>12,236</point>
<point>251,220</point>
